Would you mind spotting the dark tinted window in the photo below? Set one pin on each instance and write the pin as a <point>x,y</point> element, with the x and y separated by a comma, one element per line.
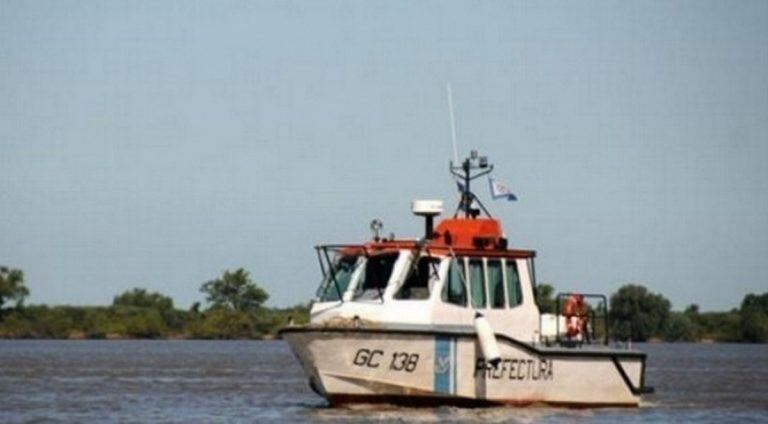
<point>416,285</point>
<point>378,269</point>
<point>514,291</point>
<point>477,283</point>
<point>495,284</point>
<point>454,290</point>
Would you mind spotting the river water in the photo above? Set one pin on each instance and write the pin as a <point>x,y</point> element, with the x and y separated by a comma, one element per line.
<point>257,381</point>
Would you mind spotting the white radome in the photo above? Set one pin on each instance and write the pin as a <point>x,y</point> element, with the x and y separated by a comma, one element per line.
<point>427,207</point>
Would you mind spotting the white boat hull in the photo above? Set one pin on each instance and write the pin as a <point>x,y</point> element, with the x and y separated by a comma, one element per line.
<point>406,366</point>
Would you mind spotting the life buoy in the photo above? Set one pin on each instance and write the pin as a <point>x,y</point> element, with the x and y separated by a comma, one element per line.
<point>575,315</point>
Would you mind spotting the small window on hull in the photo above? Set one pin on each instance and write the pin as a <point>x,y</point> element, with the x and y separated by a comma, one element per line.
<point>514,292</point>
<point>477,283</point>
<point>454,290</point>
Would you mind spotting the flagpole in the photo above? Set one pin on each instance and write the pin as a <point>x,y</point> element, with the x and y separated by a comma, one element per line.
<point>453,123</point>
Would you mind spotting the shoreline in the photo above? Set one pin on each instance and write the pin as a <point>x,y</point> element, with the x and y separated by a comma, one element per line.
<point>126,338</point>
<point>272,337</point>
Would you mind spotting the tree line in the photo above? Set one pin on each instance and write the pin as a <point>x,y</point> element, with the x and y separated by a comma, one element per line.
<point>637,314</point>
<point>234,309</point>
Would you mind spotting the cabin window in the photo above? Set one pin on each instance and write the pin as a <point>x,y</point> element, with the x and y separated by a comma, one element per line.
<point>375,277</point>
<point>514,291</point>
<point>417,284</point>
<point>477,283</point>
<point>336,282</point>
<point>495,284</point>
<point>454,290</point>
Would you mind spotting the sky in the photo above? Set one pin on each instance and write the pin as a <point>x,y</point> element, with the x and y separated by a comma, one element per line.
<point>157,144</point>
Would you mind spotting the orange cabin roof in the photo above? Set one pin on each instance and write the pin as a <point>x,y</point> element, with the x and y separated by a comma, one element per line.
<point>471,237</point>
<point>479,233</point>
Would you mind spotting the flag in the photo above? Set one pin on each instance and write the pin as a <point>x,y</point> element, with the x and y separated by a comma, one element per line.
<point>501,190</point>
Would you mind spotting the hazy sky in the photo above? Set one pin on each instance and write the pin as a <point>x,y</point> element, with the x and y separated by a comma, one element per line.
<point>156,144</point>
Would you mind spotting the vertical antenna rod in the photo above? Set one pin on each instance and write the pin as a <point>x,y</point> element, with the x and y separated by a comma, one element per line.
<point>453,123</point>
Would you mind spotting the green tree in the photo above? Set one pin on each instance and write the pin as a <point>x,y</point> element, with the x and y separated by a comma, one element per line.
<point>273,319</point>
<point>234,291</point>
<point>754,318</point>
<point>719,326</point>
<point>692,310</point>
<point>679,328</point>
<point>143,323</point>
<point>545,298</point>
<point>161,305</point>
<point>222,323</point>
<point>12,286</point>
<point>692,314</point>
<point>143,299</point>
<point>637,314</point>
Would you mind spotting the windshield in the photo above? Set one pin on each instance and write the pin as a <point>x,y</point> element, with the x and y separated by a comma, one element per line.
<point>337,280</point>
<point>419,282</point>
<point>374,279</point>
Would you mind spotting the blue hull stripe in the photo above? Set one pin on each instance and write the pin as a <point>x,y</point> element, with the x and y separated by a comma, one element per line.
<point>444,365</point>
<point>454,366</point>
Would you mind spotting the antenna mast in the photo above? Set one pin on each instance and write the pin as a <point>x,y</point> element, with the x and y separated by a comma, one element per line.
<point>464,172</point>
<point>453,123</point>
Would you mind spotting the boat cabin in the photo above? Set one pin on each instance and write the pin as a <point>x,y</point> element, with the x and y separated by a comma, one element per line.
<point>443,280</point>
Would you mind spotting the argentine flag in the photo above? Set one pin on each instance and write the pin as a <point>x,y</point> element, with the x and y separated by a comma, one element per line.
<point>501,190</point>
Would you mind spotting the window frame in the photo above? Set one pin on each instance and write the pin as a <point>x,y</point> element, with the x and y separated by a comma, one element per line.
<point>327,284</point>
<point>484,283</point>
<point>462,262</point>
<point>518,287</point>
<point>431,268</point>
<point>357,293</point>
<point>502,269</point>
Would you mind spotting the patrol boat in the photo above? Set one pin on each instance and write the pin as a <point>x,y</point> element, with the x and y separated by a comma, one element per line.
<point>451,318</point>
